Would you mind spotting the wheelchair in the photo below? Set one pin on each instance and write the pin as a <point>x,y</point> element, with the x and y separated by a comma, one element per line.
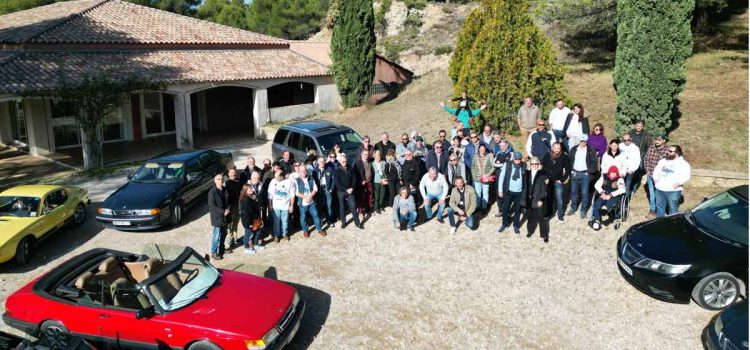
<point>617,214</point>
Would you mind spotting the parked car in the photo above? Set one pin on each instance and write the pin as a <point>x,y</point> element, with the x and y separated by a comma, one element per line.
<point>728,329</point>
<point>166,297</point>
<point>299,137</point>
<point>700,254</point>
<point>30,213</point>
<point>160,191</point>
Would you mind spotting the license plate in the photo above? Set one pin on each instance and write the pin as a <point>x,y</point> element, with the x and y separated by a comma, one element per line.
<point>625,267</point>
<point>121,223</point>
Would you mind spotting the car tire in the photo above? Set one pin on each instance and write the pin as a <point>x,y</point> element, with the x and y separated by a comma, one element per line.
<point>79,215</point>
<point>716,291</point>
<point>203,345</point>
<point>177,213</point>
<point>54,335</point>
<point>23,251</point>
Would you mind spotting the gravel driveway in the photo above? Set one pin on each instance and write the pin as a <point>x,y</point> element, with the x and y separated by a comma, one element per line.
<point>380,288</point>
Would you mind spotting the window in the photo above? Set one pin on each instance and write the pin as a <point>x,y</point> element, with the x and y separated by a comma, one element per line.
<point>158,114</point>
<point>206,160</point>
<point>288,94</point>
<point>113,128</point>
<point>18,122</point>
<point>19,206</point>
<point>307,143</point>
<point>293,140</point>
<point>55,199</point>
<point>64,125</point>
<point>280,136</point>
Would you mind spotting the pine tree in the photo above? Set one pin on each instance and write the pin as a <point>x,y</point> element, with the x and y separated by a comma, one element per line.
<point>653,42</point>
<point>290,19</point>
<point>502,56</point>
<point>353,50</point>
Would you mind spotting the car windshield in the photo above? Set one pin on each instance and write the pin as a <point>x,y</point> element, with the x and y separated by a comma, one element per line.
<point>153,172</point>
<point>348,140</point>
<point>185,279</point>
<point>19,206</point>
<point>724,215</point>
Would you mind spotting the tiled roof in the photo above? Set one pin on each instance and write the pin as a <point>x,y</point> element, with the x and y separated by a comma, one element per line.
<point>117,22</point>
<point>40,70</point>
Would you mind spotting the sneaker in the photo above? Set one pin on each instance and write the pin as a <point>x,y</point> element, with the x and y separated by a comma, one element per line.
<point>517,230</point>
<point>502,228</point>
<point>306,234</point>
<point>411,229</point>
<point>259,247</point>
<point>322,233</point>
<point>560,220</point>
<point>249,251</point>
<point>276,239</point>
<point>441,221</point>
<point>216,257</point>
<point>453,230</point>
<point>361,227</point>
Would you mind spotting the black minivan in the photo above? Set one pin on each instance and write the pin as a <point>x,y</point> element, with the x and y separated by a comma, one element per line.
<point>700,254</point>
<point>161,190</point>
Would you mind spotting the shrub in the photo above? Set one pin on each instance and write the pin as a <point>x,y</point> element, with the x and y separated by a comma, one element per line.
<point>442,49</point>
<point>353,50</point>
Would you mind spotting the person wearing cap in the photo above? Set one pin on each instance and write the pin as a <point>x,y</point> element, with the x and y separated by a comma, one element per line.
<point>540,141</point>
<point>654,154</point>
<point>557,165</point>
<point>610,187</point>
<point>670,174</point>
<point>510,184</point>
<point>584,165</point>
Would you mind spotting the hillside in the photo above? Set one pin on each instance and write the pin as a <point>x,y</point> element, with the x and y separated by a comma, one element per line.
<point>714,105</point>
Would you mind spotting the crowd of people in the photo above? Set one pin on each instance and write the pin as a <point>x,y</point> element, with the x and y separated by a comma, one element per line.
<point>458,178</point>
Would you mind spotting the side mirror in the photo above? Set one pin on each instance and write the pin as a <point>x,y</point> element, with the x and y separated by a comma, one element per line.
<point>68,292</point>
<point>130,175</point>
<point>145,313</point>
<point>192,177</point>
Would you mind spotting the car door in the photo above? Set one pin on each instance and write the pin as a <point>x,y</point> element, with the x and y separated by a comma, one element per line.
<point>293,146</point>
<point>193,180</point>
<point>279,143</point>
<point>120,327</point>
<point>52,213</point>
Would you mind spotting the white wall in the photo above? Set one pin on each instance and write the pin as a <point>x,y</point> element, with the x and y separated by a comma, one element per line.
<point>285,113</point>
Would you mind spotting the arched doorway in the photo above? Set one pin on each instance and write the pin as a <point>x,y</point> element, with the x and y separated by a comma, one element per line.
<point>222,115</point>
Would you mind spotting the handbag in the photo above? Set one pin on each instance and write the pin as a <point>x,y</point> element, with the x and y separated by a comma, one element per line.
<point>257,224</point>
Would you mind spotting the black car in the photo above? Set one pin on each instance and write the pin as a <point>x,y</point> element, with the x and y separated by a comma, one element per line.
<point>700,254</point>
<point>161,189</point>
<point>728,329</point>
<point>319,135</point>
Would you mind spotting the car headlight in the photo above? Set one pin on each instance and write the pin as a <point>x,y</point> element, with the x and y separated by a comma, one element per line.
<point>105,211</point>
<point>259,344</point>
<point>271,336</point>
<point>143,212</point>
<point>718,325</point>
<point>660,267</point>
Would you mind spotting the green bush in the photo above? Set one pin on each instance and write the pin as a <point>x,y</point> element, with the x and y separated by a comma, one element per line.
<point>502,56</point>
<point>415,4</point>
<point>442,49</point>
<point>653,42</point>
<point>380,22</point>
<point>353,50</point>
<point>413,19</point>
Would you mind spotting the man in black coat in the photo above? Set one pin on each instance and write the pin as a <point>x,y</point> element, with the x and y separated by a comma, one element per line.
<point>411,174</point>
<point>583,168</point>
<point>346,181</point>
<point>437,158</point>
<point>245,175</point>
<point>233,186</point>
<point>557,166</point>
<point>535,197</point>
<point>384,145</point>
<point>218,209</point>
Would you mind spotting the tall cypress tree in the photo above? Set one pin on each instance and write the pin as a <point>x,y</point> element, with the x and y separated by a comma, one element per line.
<point>502,56</point>
<point>653,42</point>
<point>353,50</point>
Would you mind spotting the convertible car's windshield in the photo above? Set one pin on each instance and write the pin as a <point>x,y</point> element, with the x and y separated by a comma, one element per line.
<point>19,206</point>
<point>152,172</point>
<point>185,280</point>
<point>724,215</point>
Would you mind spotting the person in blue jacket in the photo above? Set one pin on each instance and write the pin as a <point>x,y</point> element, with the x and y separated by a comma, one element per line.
<point>463,113</point>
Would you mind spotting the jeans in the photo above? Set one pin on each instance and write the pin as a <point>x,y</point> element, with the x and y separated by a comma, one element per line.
<point>329,206</point>
<point>303,209</point>
<point>560,137</point>
<point>347,200</point>
<point>669,199</point>
<point>251,238</point>
<point>381,194</point>
<point>218,236</point>
<point>629,184</point>
<point>651,194</point>
<point>452,219</point>
<point>559,199</point>
<point>280,222</point>
<point>428,206</point>
<point>512,204</point>
<point>410,218</point>
<point>483,194</point>
<point>579,182</point>
<point>599,202</point>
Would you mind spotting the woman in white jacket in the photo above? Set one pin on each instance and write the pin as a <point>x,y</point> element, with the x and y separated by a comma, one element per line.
<point>614,157</point>
<point>670,174</point>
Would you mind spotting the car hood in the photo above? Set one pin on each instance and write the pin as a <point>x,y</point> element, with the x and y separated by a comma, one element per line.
<point>673,239</point>
<point>11,226</point>
<point>134,195</point>
<point>240,305</point>
<point>735,322</point>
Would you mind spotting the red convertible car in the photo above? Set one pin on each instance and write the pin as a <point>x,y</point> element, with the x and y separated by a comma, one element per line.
<point>168,297</point>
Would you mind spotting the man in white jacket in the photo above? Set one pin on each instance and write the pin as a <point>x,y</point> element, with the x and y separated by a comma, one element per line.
<point>632,160</point>
<point>670,174</point>
<point>434,187</point>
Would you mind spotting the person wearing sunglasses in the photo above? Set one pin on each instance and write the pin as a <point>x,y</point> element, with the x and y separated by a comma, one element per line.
<point>655,153</point>
<point>455,169</point>
<point>401,147</point>
<point>540,141</point>
<point>670,175</point>
<point>632,161</point>
<point>437,158</point>
<point>472,148</point>
<point>598,141</point>
<point>535,199</point>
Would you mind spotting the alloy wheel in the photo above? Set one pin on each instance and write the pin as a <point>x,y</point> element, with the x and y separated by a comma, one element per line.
<point>719,293</point>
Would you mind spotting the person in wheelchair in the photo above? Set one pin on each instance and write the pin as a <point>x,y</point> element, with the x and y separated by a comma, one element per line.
<point>610,187</point>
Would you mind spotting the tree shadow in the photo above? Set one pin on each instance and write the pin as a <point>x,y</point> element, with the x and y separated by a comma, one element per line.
<point>676,115</point>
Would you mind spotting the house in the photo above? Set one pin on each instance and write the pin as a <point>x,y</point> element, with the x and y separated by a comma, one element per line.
<point>219,80</point>
<point>389,77</point>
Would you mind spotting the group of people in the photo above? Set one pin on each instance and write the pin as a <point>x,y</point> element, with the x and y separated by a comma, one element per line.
<point>458,178</point>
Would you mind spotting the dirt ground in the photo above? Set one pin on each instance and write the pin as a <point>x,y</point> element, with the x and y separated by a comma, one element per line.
<point>381,288</point>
